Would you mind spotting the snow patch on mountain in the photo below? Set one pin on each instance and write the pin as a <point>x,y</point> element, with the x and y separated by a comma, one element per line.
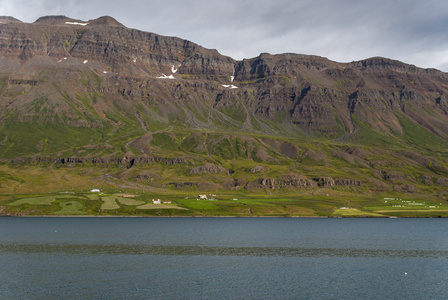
<point>76,23</point>
<point>231,86</point>
<point>173,71</point>
<point>166,77</point>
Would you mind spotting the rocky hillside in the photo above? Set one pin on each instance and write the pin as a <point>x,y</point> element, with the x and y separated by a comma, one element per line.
<point>95,92</point>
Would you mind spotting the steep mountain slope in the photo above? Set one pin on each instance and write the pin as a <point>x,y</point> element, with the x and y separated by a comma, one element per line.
<point>75,92</point>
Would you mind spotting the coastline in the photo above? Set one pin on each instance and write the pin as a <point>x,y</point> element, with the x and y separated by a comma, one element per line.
<point>248,217</point>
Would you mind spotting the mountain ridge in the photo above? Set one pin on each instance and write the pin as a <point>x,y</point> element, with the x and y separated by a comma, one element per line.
<point>62,20</point>
<point>98,93</point>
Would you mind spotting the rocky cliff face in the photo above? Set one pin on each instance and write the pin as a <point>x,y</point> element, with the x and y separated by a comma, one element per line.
<point>109,43</point>
<point>94,91</point>
<point>303,94</point>
<point>324,97</point>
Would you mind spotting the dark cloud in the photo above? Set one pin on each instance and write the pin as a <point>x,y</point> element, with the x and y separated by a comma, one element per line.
<point>409,30</point>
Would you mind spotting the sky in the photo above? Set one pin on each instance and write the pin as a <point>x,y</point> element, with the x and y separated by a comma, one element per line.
<point>412,31</point>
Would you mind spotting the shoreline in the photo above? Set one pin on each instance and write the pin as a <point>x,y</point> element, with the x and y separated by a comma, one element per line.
<point>287,217</point>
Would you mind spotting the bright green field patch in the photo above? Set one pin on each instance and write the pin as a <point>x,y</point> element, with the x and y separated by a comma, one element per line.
<point>130,202</point>
<point>415,211</point>
<point>34,201</point>
<point>109,203</point>
<point>390,205</point>
<point>46,200</point>
<point>70,208</point>
<point>159,206</point>
<point>92,196</point>
<point>258,201</point>
<point>199,204</point>
<point>353,212</point>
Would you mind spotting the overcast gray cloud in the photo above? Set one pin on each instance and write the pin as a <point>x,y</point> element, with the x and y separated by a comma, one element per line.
<point>413,31</point>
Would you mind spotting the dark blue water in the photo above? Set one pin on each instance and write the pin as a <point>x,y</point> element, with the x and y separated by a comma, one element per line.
<point>223,258</point>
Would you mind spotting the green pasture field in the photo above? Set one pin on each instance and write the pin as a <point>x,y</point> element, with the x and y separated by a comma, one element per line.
<point>70,208</point>
<point>326,203</point>
<point>130,201</point>
<point>92,196</point>
<point>354,212</point>
<point>109,203</point>
<point>199,204</point>
<point>42,200</point>
<point>415,207</point>
<point>159,206</point>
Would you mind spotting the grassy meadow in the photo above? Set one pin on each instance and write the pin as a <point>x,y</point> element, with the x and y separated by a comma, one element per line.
<point>390,183</point>
<point>113,202</point>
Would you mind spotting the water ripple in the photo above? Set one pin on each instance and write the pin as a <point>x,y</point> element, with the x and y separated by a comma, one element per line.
<point>109,249</point>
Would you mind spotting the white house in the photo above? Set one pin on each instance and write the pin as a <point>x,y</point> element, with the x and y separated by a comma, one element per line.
<point>157,201</point>
<point>95,191</point>
<point>203,197</point>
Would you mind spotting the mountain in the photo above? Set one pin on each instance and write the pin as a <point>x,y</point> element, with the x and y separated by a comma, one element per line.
<point>158,111</point>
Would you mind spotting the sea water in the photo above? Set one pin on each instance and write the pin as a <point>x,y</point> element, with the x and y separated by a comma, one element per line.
<point>223,258</point>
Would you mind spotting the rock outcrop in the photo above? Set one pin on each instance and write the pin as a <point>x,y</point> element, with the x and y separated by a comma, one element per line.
<point>259,169</point>
<point>209,169</point>
<point>290,181</point>
<point>96,92</point>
